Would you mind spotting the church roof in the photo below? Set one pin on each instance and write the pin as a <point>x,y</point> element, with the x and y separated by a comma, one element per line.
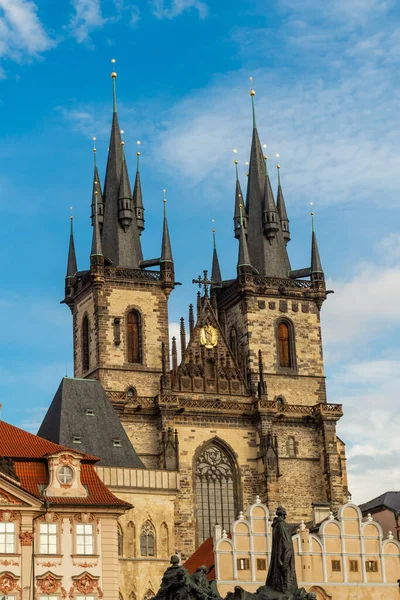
<point>81,409</point>
<point>390,500</point>
<point>204,555</point>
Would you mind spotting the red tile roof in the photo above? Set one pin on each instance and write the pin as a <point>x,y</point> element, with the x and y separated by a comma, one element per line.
<point>29,453</point>
<point>204,555</point>
<point>17,443</point>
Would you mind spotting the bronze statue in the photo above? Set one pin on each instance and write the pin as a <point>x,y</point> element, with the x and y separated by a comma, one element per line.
<point>282,571</point>
<point>175,582</point>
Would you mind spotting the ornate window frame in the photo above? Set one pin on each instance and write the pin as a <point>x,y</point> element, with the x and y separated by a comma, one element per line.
<point>49,584</point>
<point>237,484</point>
<point>85,584</point>
<point>147,529</point>
<point>50,518</point>
<point>85,519</point>
<point>12,516</point>
<point>292,346</point>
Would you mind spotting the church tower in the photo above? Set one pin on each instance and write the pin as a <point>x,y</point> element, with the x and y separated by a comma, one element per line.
<point>119,304</point>
<point>245,411</point>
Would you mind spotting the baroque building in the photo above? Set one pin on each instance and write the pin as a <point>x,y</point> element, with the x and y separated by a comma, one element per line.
<point>243,413</point>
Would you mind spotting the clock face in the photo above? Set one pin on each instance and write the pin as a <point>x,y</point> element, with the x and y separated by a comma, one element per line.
<point>65,475</point>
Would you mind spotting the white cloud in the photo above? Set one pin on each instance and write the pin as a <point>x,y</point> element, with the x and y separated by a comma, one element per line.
<point>22,34</point>
<point>87,16</point>
<point>172,9</point>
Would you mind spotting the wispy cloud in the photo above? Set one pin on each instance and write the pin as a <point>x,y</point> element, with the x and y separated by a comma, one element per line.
<point>163,9</point>
<point>86,17</point>
<point>22,34</point>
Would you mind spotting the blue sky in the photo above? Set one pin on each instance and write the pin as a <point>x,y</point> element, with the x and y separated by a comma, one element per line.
<point>326,76</point>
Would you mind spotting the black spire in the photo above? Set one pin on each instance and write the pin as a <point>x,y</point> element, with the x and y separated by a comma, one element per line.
<point>238,202</point>
<point>166,252</point>
<point>280,204</point>
<point>120,235</point>
<point>216,271</point>
<point>97,194</point>
<point>96,239</point>
<point>137,198</point>
<point>244,256</point>
<point>316,266</point>
<point>71,264</point>
<point>270,213</point>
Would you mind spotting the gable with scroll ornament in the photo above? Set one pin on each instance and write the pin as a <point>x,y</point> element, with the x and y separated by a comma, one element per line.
<point>49,583</point>
<point>86,584</point>
<point>9,584</point>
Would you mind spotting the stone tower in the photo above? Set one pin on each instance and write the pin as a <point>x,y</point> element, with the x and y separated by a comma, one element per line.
<point>245,412</point>
<point>119,305</point>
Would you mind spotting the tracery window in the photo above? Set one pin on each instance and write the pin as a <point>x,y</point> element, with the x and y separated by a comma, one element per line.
<point>147,539</point>
<point>134,337</point>
<point>285,344</point>
<point>216,490</point>
<point>85,344</point>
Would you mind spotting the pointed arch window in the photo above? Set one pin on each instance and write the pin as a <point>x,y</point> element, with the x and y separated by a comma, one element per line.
<point>292,447</point>
<point>120,541</point>
<point>134,337</point>
<point>164,540</point>
<point>131,540</point>
<point>285,345</point>
<point>147,539</point>
<point>85,343</point>
<point>216,484</point>
<point>233,342</point>
<point>148,595</point>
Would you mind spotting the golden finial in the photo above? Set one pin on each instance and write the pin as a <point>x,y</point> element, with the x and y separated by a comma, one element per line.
<point>165,195</point>
<point>138,144</point>
<point>113,74</point>
<point>252,92</point>
<point>122,141</point>
<point>94,143</point>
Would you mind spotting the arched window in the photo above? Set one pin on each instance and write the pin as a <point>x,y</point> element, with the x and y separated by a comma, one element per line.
<point>134,337</point>
<point>163,546</point>
<point>216,485</point>
<point>85,344</point>
<point>291,446</point>
<point>120,541</point>
<point>148,595</point>
<point>131,392</point>
<point>233,342</point>
<point>130,543</point>
<point>147,539</point>
<point>285,345</point>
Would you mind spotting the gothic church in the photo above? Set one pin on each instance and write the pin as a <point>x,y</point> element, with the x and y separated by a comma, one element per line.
<point>245,411</point>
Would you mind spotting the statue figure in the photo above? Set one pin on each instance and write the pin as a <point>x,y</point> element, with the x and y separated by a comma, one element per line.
<point>204,589</point>
<point>175,582</point>
<point>282,572</point>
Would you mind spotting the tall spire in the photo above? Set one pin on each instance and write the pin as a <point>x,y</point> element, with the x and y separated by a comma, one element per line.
<point>96,239</point>
<point>137,195</point>
<point>216,271</point>
<point>238,202</point>
<point>244,256</point>
<point>120,235</point>
<point>280,204</point>
<point>71,264</point>
<point>270,213</point>
<point>316,266</point>
<point>166,252</point>
<point>97,195</point>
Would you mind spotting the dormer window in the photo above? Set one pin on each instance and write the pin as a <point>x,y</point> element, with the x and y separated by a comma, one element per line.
<point>65,475</point>
<point>117,443</point>
<point>76,439</point>
<point>89,412</point>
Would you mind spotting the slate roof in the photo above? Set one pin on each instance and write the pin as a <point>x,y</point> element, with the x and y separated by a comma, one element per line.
<point>68,418</point>
<point>29,453</point>
<point>390,500</point>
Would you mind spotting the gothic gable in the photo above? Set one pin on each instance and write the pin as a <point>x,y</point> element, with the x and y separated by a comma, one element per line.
<point>208,365</point>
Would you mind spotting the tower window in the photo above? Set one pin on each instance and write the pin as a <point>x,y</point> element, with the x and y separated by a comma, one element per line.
<point>85,344</point>
<point>147,539</point>
<point>292,447</point>
<point>285,343</point>
<point>134,335</point>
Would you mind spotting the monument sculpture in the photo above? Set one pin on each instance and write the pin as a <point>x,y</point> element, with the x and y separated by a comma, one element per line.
<point>281,583</point>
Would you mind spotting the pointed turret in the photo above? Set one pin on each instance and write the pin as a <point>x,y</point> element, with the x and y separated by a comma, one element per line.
<point>166,260</point>
<point>137,198</point>
<point>97,194</point>
<point>238,202</point>
<point>125,208</point>
<point>244,256</point>
<point>316,266</point>
<point>96,239</point>
<point>280,204</point>
<point>120,235</point>
<point>71,264</point>
<point>216,271</point>
<point>270,213</point>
